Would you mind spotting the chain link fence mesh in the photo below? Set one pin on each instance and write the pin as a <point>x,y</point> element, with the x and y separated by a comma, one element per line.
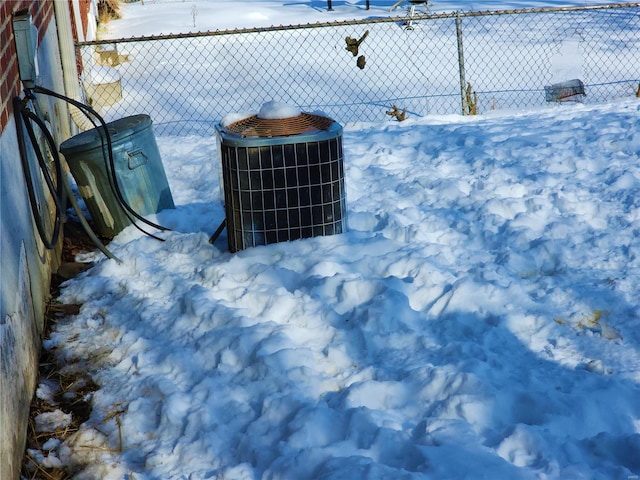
<point>358,71</point>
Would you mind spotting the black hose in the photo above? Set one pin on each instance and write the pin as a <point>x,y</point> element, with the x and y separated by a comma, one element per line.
<point>60,189</point>
<point>23,118</point>
<point>107,147</point>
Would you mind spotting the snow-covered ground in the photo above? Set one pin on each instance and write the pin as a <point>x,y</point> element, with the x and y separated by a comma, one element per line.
<point>479,318</point>
<point>177,16</point>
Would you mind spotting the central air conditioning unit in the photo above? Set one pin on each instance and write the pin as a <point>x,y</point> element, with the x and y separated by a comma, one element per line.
<point>283,178</point>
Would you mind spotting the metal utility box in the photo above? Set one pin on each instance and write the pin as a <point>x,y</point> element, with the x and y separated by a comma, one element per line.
<point>25,36</point>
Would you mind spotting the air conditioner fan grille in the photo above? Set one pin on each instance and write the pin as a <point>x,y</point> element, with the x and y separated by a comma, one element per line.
<point>255,126</point>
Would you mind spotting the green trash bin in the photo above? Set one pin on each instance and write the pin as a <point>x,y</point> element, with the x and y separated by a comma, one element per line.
<point>138,167</point>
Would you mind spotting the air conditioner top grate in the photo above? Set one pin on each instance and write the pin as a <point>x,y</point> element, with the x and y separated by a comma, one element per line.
<point>255,126</point>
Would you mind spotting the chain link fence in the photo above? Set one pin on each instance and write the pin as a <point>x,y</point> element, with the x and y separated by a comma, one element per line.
<point>360,70</point>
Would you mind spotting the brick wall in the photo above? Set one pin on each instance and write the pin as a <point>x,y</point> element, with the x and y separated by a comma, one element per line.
<point>85,6</point>
<point>41,13</point>
<point>84,9</point>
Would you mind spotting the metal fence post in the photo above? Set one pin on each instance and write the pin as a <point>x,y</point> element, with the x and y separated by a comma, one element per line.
<point>463,96</point>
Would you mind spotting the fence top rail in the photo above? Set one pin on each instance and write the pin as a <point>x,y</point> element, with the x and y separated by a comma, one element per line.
<point>367,21</point>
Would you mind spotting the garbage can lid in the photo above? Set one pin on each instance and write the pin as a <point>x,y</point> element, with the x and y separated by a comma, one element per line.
<point>118,131</point>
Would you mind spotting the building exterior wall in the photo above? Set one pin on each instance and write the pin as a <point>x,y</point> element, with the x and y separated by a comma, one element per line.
<point>25,264</point>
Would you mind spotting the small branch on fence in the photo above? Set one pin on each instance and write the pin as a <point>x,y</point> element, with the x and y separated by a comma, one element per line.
<point>397,114</point>
<point>472,101</point>
<point>638,91</point>
<point>361,62</point>
<point>353,44</point>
